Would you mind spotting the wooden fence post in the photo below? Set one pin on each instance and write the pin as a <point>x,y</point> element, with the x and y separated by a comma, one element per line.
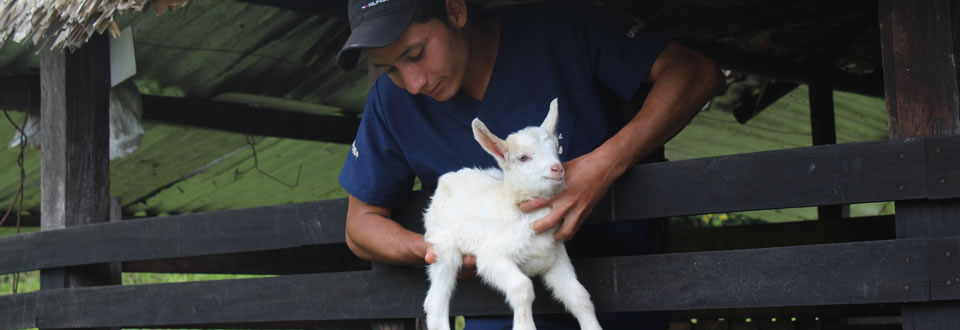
<point>919,44</point>
<point>75,168</point>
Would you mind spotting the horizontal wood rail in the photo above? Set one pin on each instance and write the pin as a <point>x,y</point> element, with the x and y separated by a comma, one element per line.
<point>833,174</point>
<point>875,272</point>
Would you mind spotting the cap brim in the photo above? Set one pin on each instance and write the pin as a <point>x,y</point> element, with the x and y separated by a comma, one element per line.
<point>373,33</point>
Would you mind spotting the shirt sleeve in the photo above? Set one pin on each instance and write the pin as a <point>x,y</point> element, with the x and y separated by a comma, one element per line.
<point>375,170</point>
<point>622,50</point>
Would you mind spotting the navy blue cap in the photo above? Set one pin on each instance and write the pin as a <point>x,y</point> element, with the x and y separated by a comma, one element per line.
<point>374,24</point>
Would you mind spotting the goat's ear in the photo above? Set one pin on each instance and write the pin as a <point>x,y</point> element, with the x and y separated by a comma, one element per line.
<point>491,143</point>
<point>550,123</point>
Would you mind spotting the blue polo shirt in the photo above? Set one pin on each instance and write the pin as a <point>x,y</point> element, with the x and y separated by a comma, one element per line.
<point>579,54</point>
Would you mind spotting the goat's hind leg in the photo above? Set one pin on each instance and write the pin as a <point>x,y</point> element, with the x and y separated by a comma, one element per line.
<point>443,279</point>
<point>504,275</point>
<point>562,280</point>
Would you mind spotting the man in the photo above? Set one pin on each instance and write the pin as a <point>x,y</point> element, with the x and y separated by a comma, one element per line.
<point>447,63</point>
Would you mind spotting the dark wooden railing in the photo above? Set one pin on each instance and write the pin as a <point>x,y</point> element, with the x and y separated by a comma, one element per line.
<point>858,264</point>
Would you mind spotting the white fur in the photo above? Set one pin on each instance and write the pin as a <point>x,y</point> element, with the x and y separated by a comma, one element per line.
<point>475,212</point>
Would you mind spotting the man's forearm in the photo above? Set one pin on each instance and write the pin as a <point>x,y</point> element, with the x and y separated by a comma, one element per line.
<point>681,89</point>
<point>377,238</point>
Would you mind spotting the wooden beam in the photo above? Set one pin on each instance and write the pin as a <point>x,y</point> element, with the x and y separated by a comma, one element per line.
<point>920,44</point>
<point>326,8</point>
<point>823,125</point>
<point>15,94</point>
<point>728,58</point>
<point>244,119</point>
<point>862,273</point>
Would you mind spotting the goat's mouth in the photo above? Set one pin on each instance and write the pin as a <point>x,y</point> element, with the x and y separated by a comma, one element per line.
<point>553,179</point>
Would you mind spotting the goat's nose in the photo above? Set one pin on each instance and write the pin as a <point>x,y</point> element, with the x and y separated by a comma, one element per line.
<point>556,169</point>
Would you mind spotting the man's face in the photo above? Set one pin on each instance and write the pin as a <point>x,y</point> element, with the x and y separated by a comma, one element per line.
<point>428,58</point>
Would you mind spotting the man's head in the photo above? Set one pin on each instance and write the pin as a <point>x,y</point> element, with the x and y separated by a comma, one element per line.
<point>419,43</point>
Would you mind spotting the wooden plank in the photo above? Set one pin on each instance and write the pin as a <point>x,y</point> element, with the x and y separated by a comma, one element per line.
<point>941,163</point>
<point>302,260</point>
<point>820,175</point>
<point>337,258</point>
<point>835,174</point>
<point>75,167</point>
<point>780,234</point>
<point>240,118</point>
<point>893,271</point>
<point>254,229</point>
<point>939,316</point>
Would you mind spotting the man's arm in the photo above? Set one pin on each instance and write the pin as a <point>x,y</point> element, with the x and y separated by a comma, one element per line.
<point>372,235</point>
<point>683,81</point>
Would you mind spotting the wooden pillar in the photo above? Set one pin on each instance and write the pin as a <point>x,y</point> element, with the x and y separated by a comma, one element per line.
<point>919,42</point>
<point>75,167</point>
<point>823,127</point>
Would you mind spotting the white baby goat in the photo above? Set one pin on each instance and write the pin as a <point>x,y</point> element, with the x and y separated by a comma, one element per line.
<point>475,212</point>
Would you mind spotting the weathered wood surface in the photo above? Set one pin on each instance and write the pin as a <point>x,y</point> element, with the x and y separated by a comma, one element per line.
<point>835,174</point>
<point>75,167</point>
<point>255,229</point>
<point>893,271</point>
<point>300,260</point>
<point>920,43</point>
<point>820,175</point>
<point>233,117</point>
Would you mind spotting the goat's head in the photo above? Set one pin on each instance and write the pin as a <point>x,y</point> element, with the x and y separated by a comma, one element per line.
<point>529,157</point>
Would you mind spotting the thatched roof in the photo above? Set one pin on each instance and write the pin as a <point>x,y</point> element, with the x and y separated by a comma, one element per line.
<point>60,23</point>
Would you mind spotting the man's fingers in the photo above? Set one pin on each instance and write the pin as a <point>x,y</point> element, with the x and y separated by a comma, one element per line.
<point>568,228</point>
<point>551,220</point>
<point>565,232</point>
<point>534,204</point>
<point>430,257</point>
<point>469,268</point>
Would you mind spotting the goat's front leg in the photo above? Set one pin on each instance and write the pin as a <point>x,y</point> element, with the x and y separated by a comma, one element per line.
<point>562,280</point>
<point>443,278</point>
<point>504,275</point>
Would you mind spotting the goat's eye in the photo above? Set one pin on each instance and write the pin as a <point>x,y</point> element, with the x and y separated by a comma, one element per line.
<point>524,158</point>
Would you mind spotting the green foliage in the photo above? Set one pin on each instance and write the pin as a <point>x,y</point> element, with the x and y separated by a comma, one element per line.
<point>28,282</point>
<point>4,231</point>
<point>151,278</point>
<point>714,220</point>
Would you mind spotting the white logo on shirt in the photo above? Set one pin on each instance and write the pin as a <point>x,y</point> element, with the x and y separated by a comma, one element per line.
<point>353,149</point>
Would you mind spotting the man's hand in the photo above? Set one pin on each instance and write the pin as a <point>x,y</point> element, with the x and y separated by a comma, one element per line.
<point>467,270</point>
<point>588,180</point>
